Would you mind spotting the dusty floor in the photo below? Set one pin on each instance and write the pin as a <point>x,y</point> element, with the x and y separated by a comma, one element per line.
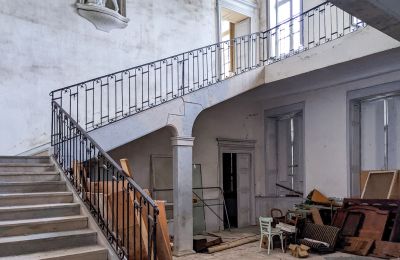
<point>253,251</point>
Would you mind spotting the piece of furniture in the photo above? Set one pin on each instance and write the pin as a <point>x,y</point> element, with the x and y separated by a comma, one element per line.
<point>323,237</point>
<point>278,216</point>
<point>382,185</point>
<point>392,228</point>
<point>267,230</point>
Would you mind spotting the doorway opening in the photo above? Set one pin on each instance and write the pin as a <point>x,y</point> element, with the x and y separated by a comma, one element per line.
<point>232,25</point>
<point>229,172</point>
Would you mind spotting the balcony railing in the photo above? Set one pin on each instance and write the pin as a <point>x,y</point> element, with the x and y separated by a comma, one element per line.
<point>109,98</point>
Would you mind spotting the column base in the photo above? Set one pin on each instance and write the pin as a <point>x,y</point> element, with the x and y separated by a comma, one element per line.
<point>183,253</point>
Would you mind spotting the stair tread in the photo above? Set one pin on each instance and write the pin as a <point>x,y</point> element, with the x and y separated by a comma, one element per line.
<point>48,235</point>
<point>41,220</point>
<point>26,164</point>
<point>29,173</point>
<point>30,183</point>
<point>23,157</point>
<point>39,206</point>
<point>35,194</point>
<point>59,253</point>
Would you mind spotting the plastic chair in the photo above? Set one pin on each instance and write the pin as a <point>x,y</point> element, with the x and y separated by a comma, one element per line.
<point>267,230</point>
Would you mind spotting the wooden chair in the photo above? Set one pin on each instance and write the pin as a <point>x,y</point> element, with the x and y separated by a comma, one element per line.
<point>267,230</point>
<point>278,216</point>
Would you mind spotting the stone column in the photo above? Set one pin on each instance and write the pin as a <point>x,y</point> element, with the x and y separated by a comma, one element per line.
<point>183,205</point>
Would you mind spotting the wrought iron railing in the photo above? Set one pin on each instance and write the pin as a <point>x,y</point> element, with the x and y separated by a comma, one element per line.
<point>124,212</point>
<point>106,99</point>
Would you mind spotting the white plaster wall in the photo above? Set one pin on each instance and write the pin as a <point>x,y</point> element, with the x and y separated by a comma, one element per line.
<point>237,118</point>
<point>140,151</point>
<point>324,94</point>
<point>325,118</point>
<point>46,45</point>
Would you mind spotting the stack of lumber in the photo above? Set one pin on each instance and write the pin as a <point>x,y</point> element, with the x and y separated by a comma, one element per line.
<point>126,222</point>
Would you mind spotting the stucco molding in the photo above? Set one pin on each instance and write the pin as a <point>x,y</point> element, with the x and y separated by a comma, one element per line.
<point>182,141</point>
<point>103,18</point>
<point>236,143</point>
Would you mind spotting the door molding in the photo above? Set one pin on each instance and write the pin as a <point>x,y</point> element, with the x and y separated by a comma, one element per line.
<point>226,145</point>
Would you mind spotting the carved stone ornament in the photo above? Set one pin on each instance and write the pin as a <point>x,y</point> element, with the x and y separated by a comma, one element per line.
<point>101,16</point>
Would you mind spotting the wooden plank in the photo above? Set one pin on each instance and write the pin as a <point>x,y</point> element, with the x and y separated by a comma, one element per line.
<point>164,251</point>
<point>128,223</point>
<point>358,245</point>
<point>126,167</point>
<point>374,222</point>
<point>379,185</point>
<point>363,179</point>
<point>316,216</point>
<point>395,189</point>
<point>386,249</point>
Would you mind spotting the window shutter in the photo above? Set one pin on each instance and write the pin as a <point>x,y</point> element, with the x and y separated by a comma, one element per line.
<point>298,153</point>
<point>271,156</point>
<point>372,135</point>
<point>394,132</point>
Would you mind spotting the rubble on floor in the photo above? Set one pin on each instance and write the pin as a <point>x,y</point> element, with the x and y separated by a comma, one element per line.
<point>222,240</point>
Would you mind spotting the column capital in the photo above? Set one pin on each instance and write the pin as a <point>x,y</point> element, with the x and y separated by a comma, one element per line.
<point>182,141</point>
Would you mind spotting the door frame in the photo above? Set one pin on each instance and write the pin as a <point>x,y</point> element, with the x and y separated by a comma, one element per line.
<point>226,145</point>
<point>245,7</point>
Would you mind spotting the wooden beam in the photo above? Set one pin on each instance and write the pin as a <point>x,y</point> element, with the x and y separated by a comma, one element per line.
<point>164,251</point>
<point>126,167</point>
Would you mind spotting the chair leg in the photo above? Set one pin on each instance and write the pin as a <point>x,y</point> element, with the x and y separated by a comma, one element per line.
<point>269,243</point>
<point>283,250</point>
<point>272,242</point>
<point>261,238</point>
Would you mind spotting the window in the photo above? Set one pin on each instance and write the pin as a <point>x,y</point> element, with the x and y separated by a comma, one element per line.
<point>380,124</point>
<point>287,37</point>
<point>374,135</point>
<point>284,142</point>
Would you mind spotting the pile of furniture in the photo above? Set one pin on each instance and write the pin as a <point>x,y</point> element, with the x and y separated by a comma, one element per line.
<point>370,227</point>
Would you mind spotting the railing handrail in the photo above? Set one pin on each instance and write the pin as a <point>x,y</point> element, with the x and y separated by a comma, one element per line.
<point>296,16</point>
<point>193,50</point>
<point>107,156</point>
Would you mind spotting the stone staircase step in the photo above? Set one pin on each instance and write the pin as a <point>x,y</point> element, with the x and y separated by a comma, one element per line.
<point>24,159</point>
<point>14,245</point>
<point>38,216</point>
<point>42,186</point>
<point>26,167</point>
<point>42,225</point>
<point>39,211</point>
<point>36,198</point>
<point>76,253</point>
<point>29,176</point>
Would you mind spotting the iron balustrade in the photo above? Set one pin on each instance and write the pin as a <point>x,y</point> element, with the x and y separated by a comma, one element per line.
<point>124,212</point>
<point>107,99</point>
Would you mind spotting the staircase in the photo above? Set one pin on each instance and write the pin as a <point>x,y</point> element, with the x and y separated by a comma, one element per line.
<point>92,117</point>
<point>38,216</point>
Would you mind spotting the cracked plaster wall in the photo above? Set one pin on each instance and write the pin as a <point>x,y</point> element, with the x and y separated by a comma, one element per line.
<point>46,45</point>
